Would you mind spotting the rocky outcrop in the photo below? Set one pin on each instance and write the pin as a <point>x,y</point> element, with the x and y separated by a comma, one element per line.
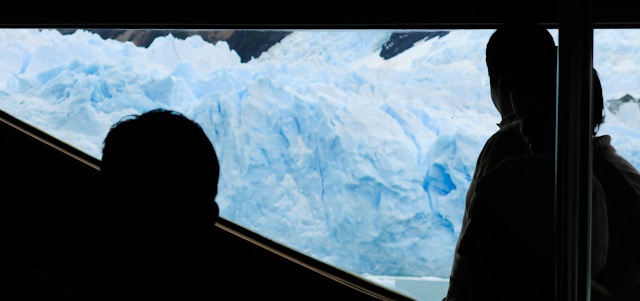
<point>249,43</point>
<point>614,104</point>
<point>401,41</point>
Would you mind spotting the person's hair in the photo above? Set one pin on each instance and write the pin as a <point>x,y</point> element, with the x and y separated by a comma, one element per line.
<point>514,42</point>
<point>597,116</point>
<point>156,165</point>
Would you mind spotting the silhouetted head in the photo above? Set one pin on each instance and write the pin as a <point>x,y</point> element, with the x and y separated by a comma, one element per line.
<point>534,103</point>
<point>513,44</point>
<point>160,173</point>
<point>532,92</point>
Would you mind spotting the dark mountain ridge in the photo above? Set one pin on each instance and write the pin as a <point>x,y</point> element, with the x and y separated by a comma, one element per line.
<point>614,104</point>
<point>248,43</point>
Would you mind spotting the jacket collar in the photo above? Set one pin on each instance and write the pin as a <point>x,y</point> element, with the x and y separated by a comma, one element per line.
<point>507,120</point>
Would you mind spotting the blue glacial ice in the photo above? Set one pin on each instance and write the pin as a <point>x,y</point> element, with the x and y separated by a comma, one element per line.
<point>324,146</point>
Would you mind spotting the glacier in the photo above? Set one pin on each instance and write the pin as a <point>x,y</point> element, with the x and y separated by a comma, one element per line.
<point>324,146</point>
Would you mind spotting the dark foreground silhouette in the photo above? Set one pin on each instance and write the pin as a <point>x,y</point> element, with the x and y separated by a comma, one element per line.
<point>511,220</point>
<point>160,174</point>
<point>506,249</point>
<point>510,43</point>
<point>615,249</point>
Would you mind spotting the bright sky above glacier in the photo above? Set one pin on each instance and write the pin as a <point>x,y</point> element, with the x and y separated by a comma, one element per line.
<point>324,146</point>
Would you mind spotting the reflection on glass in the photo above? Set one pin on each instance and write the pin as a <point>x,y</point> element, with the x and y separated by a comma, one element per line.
<point>354,147</point>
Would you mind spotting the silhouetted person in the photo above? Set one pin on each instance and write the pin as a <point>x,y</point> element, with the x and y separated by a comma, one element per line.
<point>160,175</point>
<point>621,184</point>
<point>510,238</point>
<point>615,265</point>
<point>511,42</point>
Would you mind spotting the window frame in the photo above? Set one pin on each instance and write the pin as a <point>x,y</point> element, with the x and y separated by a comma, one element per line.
<point>608,14</point>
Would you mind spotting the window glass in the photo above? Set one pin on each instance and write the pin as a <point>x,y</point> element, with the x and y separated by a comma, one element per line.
<point>355,147</point>
<point>616,57</point>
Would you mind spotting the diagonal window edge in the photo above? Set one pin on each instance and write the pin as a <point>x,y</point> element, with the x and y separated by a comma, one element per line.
<point>342,277</point>
<point>50,141</point>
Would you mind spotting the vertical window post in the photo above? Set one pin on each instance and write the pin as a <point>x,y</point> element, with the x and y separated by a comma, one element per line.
<point>574,151</point>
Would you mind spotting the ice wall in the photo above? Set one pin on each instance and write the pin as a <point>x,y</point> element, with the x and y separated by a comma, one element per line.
<point>324,146</point>
<point>338,151</point>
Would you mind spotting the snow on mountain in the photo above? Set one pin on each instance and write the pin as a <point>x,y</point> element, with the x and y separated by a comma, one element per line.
<point>324,145</point>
